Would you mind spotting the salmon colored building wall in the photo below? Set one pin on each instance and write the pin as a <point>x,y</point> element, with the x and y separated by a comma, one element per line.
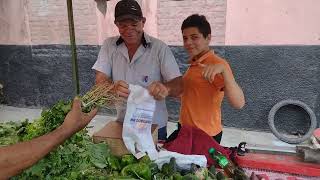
<point>14,23</point>
<point>234,22</point>
<point>273,22</point>
<point>32,22</point>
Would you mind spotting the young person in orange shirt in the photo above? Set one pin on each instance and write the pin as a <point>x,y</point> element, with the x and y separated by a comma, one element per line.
<point>206,81</point>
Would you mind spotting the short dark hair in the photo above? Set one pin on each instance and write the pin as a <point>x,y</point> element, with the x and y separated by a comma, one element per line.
<point>198,21</point>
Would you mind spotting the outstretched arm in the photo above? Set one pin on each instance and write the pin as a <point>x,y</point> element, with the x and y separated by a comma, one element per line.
<point>233,91</point>
<point>15,158</point>
<point>231,88</point>
<point>175,86</point>
<point>160,90</point>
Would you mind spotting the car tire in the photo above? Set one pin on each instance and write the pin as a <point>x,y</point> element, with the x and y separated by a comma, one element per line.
<point>282,137</point>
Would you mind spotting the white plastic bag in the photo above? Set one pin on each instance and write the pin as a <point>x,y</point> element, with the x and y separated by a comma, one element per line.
<point>182,160</point>
<point>136,132</point>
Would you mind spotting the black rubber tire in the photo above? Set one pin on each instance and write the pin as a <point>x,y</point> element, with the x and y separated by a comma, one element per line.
<point>313,119</point>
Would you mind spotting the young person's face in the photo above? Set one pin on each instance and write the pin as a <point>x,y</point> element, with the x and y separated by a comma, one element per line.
<point>194,42</point>
<point>131,30</point>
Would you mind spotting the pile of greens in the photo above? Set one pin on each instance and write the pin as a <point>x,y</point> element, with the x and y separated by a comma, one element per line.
<point>9,132</point>
<point>79,157</point>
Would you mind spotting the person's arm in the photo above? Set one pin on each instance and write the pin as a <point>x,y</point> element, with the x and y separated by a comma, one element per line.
<point>121,87</point>
<point>171,84</point>
<point>15,158</point>
<point>175,86</point>
<point>161,90</point>
<point>156,89</point>
<point>102,78</point>
<point>103,69</point>
<point>231,88</point>
<point>233,91</point>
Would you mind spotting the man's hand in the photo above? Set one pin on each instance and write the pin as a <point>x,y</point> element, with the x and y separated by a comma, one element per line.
<point>211,70</point>
<point>122,88</point>
<point>76,119</point>
<point>158,90</point>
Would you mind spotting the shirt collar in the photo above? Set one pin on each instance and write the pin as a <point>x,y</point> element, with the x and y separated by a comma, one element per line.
<point>145,40</point>
<point>203,57</point>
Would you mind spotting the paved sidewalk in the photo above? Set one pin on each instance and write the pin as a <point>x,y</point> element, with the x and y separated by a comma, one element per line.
<point>231,136</point>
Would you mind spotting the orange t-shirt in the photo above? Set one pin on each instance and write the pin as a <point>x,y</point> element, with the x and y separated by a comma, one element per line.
<point>201,100</point>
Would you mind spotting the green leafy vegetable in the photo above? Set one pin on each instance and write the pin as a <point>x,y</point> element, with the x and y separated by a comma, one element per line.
<point>128,159</point>
<point>137,170</point>
<point>76,158</point>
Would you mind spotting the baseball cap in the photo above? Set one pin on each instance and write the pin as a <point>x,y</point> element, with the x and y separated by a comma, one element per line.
<point>127,9</point>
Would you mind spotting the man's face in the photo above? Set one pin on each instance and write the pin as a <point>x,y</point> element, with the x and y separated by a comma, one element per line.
<point>194,42</point>
<point>131,30</point>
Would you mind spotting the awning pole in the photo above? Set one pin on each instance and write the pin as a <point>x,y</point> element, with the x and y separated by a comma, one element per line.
<point>75,75</point>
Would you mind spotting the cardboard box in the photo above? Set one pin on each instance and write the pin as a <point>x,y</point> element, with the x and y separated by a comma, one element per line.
<point>111,133</point>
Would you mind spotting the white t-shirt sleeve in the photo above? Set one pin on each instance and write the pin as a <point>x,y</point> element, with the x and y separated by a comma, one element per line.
<point>104,62</point>
<point>169,66</point>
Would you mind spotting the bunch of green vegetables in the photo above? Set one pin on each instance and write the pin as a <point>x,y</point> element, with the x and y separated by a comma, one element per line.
<point>9,132</point>
<point>172,171</point>
<point>76,158</point>
<point>128,167</point>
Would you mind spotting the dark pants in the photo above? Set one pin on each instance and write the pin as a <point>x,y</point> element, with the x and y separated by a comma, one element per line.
<point>174,135</point>
<point>218,137</point>
<point>162,133</point>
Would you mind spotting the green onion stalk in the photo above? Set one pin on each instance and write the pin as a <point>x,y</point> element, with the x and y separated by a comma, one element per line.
<point>100,95</point>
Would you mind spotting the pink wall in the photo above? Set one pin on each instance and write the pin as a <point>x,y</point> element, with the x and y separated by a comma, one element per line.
<point>234,22</point>
<point>164,19</point>
<point>272,22</point>
<point>14,23</point>
<point>32,22</point>
<point>172,13</point>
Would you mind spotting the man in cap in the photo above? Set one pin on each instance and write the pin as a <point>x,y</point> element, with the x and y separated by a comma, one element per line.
<point>135,57</point>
